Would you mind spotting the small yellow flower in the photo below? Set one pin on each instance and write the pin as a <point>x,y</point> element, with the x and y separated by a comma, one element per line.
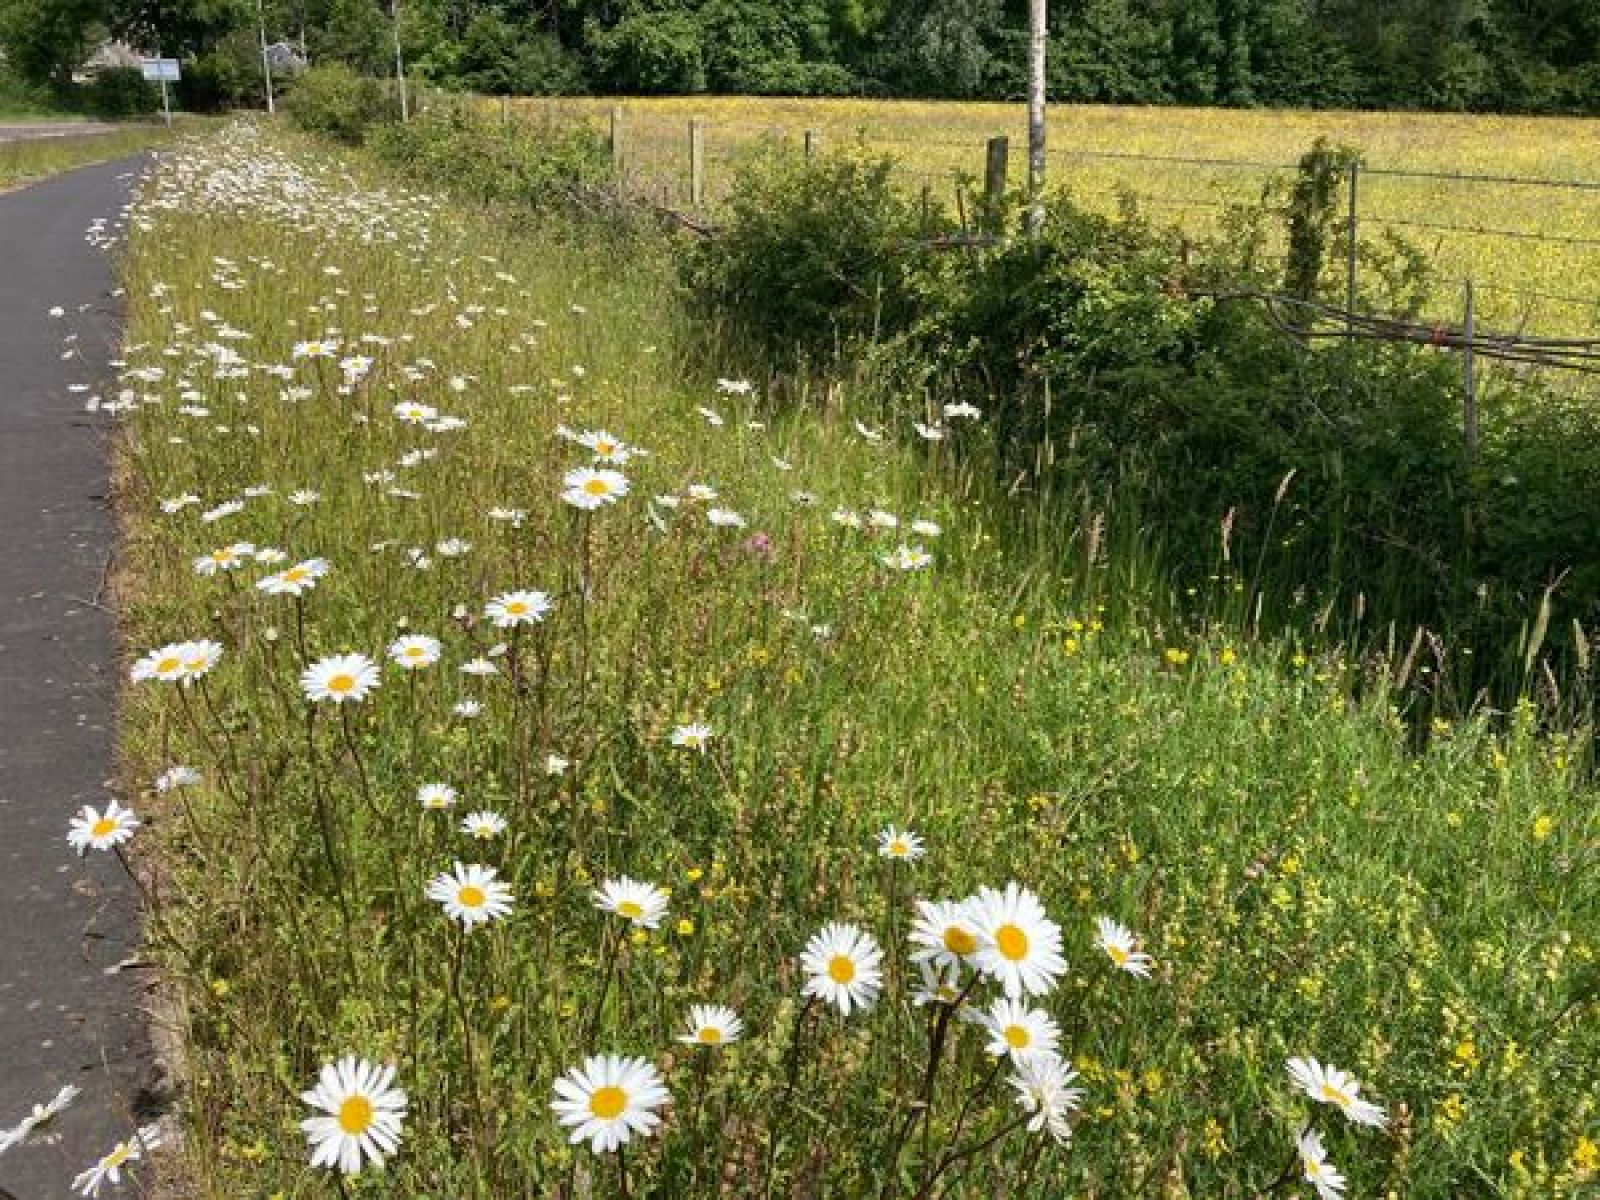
<point>1542,827</point>
<point>1214,1144</point>
<point>1175,657</point>
<point>220,988</point>
<point>1226,657</point>
<point>693,874</point>
<point>1466,1054</point>
<point>1585,1155</point>
<point>499,1003</point>
<point>685,927</point>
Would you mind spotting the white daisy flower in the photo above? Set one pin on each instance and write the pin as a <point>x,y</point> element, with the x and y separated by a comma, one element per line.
<point>413,651</point>
<point>608,1100</point>
<point>38,1117</point>
<point>341,678</point>
<point>554,764</point>
<point>940,985</point>
<point>224,558</point>
<point>725,518</point>
<point>879,519</point>
<point>711,415</point>
<point>899,845</point>
<point>643,904</point>
<point>945,933</point>
<point>484,825</point>
<point>1018,945</point>
<point>1121,947</point>
<point>101,830</point>
<point>1018,1030</point>
<point>226,509</point>
<point>364,1115</point>
<point>296,580</point>
<point>606,447</point>
<point>1315,1168</point>
<point>700,493</point>
<point>435,797</point>
<point>471,894</point>
<point>1329,1085</point>
<point>955,412</point>
<point>712,1025</point>
<point>467,709</point>
<point>304,496</point>
<point>200,657</point>
<point>109,1168</point>
<point>164,665</point>
<point>693,736</point>
<point>589,489</point>
<point>848,518</point>
<point>930,529</point>
<point>414,413</point>
<point>480,667</point>
<point>906,558</point>
<point>452,547</point>
<point>1043,1083</point>
<point>735,387</point>
<point>176,777</point>
<point>510,609</point>
<point>843,966</point>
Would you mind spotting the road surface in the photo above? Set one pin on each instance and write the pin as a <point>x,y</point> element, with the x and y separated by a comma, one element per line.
<point>67,1016</point>
<point>29,131</point>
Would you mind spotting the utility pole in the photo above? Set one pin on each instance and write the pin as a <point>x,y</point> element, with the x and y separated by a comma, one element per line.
<point>399,62</point>
<point>266,63</point>
<point>1038,38</point>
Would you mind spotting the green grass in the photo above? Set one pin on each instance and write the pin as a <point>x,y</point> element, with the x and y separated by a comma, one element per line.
<point>1306,882</point>
<point>33,159</point>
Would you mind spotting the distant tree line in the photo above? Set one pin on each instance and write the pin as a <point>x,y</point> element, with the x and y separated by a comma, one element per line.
<point>1514,55</point>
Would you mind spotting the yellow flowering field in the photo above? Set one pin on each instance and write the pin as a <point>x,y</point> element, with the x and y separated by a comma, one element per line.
<point>561,772</point>
<point>1524,283</point>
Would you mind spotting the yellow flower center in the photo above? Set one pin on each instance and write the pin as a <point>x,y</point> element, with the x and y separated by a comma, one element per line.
<point>710,1035</point>
<point>841,968</point>
<point>414,652</point>
<point>295,574</point>
<point>604,448</point>
<point>1334,1096</point>
<point>102,827</point>
<point>118,1156</point>
<point>1118,954</point>
<point>608,1102</point>
<point>221,556</point>
<point>195,664</point>
<point>631,909</point>
<point>898,849</point>
<point>342,683</point>
<point>958,941</point>
<point>1313,1167</point>
<point>471,897</point>
<point>1016,1037</point>
<point>1011,942</point>
<point>168,664</point>
<point>596,486</point>
<point>355,1114</point>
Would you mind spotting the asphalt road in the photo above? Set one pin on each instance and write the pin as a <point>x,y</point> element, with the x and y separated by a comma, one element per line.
<point>63,921</point>
<point>27,131</point>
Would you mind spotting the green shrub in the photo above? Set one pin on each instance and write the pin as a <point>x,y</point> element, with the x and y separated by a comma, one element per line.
<point>459,148</point>
<point>334,101</point>
<point>121,92</point>
<point>653,52</point>
<point>812,254</point>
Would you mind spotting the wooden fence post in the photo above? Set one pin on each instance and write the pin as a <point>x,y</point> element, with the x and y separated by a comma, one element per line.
<point>994,181</point>
<point>811,144</point>
<point>1469,383</point>
<point>697,162</point>
<point>1350,264</point>
<point>616,138</point>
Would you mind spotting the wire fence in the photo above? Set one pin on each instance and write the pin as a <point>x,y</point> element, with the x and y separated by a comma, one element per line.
<point>1530,244</point>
